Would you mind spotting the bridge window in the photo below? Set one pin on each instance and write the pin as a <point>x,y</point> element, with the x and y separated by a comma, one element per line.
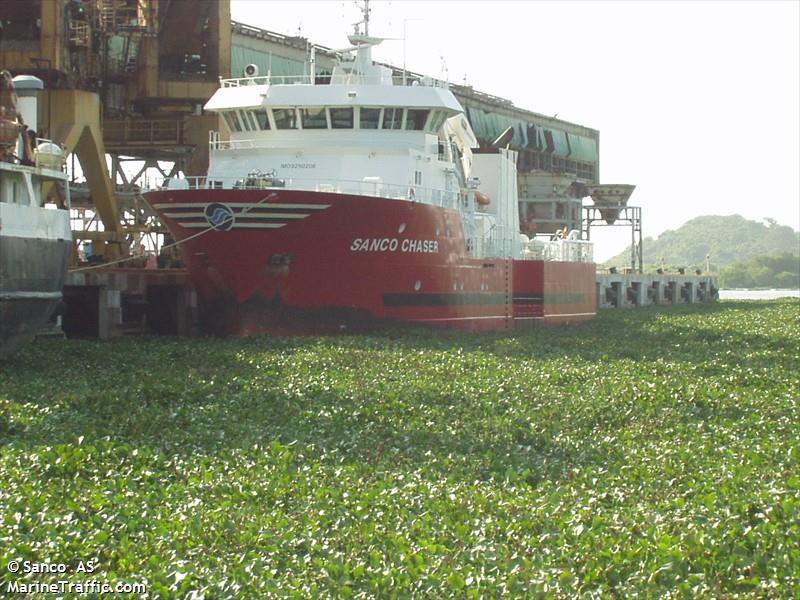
<point>416,119</point>
<point>437,120</point>
<point>285,118</point>
<point>370,117</point>
<point>392,118</point>
<point>314,118</point>
<point>262,118</point>
<point>248,120</point>
<point>232,120</point>
<point>341,118</point>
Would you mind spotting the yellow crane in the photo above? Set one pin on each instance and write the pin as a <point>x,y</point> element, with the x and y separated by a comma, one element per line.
<point>125,78</point>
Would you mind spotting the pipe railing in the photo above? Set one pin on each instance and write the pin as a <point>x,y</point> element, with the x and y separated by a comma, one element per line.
<point>563,250</point>
<point>328,79</point>
<point>372,187</point>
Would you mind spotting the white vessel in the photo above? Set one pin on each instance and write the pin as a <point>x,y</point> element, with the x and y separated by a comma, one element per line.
<point>35,238</point>
<point>357,198</point>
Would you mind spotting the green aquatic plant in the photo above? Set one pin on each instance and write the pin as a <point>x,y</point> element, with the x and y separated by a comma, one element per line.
<point>648,453</point>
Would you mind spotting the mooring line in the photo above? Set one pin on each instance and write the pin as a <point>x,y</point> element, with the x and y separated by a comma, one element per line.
<point>174,244</point>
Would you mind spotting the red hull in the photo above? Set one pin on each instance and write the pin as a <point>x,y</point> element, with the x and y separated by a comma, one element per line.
<point>286,261</point>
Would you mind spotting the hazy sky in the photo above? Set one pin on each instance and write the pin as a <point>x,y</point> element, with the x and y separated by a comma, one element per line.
<point>697,103</point>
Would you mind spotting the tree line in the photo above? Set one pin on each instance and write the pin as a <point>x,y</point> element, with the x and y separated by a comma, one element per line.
<point>781,272</point>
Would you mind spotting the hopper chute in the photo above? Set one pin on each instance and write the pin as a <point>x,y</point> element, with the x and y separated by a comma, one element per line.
<point>609,198</point>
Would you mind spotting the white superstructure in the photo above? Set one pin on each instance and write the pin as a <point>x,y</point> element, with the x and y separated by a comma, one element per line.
<point>363,132</point>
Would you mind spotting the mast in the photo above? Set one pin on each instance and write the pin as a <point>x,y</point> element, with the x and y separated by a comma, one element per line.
<point>366,17</point>
<point>362,44</point>
<point>364,21</point>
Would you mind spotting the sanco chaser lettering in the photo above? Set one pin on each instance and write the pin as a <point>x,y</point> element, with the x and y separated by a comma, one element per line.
<point>393,245</point>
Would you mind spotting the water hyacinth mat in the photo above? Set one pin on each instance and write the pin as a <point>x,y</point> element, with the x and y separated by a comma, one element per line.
<point>648,453</point>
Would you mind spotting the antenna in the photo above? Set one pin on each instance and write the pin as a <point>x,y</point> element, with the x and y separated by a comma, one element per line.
<point>365,12</point>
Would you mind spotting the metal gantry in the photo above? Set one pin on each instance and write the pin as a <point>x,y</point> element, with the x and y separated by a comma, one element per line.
<point>628,216</point>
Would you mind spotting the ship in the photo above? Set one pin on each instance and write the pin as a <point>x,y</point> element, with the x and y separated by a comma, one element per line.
<point>343,202</point>
<point>35,236</point>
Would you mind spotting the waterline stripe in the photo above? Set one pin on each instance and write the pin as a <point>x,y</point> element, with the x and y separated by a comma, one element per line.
<point>459,318</point>
<point>443,299</point>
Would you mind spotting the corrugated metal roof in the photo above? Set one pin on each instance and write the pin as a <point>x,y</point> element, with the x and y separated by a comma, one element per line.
<point>582,148</point>
<point>560,142</point>
<point>489,125</point>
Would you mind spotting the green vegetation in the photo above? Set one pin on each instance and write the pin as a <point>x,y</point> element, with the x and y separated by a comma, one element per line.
<point>725,240</point>
<point>780,272</point>
<point>645,454</point>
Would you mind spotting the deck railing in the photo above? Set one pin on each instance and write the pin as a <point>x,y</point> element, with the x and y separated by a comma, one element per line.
<point>564,250</point>
<point>328,79</point>
<point>497,243</point>
<point>368,186</point>
<point>501,245</point>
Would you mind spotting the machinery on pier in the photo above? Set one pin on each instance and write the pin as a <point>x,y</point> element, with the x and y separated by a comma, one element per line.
<point>125,79</point>
<point>610,209</point>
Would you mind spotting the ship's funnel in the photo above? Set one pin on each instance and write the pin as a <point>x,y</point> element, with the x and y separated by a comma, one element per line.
<point>610,198</point>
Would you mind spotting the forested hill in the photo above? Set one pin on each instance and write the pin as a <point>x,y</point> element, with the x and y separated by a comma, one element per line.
<point>726,239</point>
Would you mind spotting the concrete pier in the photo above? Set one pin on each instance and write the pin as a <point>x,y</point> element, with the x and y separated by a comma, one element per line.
<point>631,290</point>
<point>105,303</point>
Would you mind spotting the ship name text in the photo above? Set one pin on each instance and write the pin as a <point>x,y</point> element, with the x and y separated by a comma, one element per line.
<point>393,245</point>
